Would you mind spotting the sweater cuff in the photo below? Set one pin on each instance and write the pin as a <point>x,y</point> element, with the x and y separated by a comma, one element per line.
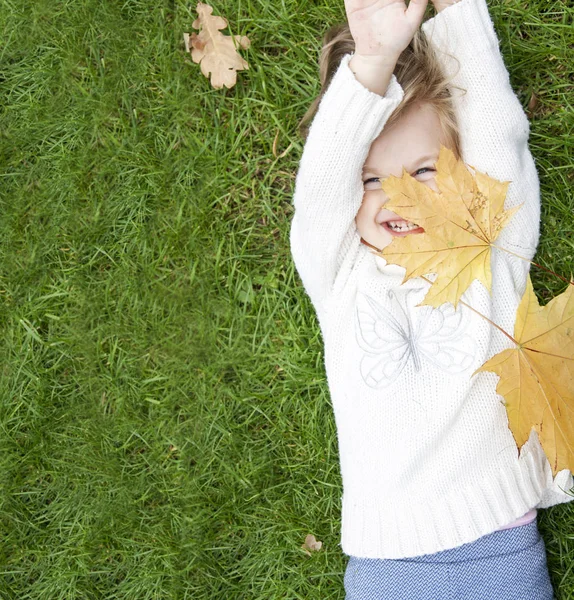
<point>465,24</point>
<point>394,89</point>
<point>354,108</point>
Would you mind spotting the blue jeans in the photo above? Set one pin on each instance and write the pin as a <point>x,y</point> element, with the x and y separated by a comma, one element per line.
<point>509,564</point>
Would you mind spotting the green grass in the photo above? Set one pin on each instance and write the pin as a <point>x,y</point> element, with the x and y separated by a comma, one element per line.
<point>166,429</point>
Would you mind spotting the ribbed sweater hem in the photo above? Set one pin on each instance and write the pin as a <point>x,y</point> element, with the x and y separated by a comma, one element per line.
<point>376,528</point>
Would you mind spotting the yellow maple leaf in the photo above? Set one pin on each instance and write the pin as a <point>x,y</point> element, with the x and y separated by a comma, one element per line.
<point>216,53</point>
<point>460,223</point>
<point>537,376</point>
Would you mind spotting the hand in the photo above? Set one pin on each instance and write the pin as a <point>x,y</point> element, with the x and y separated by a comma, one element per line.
<point>384,28</point>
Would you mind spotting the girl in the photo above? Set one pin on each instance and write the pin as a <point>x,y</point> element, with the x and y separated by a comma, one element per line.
<point>438,502</point>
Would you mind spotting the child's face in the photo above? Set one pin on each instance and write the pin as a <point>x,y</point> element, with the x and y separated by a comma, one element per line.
<point>413,142</point>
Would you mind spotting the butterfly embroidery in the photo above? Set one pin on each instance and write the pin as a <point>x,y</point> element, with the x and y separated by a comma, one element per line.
<point>389,342</point>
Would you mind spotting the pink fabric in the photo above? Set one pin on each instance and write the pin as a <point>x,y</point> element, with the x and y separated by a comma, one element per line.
<point>527,518</point>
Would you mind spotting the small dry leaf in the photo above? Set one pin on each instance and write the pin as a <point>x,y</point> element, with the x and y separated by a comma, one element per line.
<point>311,544</point>
<point>216,53</point>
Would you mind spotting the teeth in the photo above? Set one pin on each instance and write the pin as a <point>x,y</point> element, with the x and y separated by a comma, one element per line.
<point>401,225</point>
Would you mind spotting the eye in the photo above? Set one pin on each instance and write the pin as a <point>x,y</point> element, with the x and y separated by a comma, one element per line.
<point>418,171</point>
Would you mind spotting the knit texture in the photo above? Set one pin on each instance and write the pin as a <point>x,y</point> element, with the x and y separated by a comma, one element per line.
<point>523,520</point>
<point>428,461</point>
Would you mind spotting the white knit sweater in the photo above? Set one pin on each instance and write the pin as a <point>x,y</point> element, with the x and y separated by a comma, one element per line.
<point>427,458</point>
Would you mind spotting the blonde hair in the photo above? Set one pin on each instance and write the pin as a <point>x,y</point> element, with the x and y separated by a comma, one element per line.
<point>418,71</point>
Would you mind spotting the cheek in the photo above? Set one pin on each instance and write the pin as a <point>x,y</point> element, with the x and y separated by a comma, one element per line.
<point>363,210</point>
<point>373,201</point>
<point>364,213</point>
<point>364,217</point>
<point>360,216</point>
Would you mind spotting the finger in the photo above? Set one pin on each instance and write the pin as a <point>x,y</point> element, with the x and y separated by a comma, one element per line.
<point>416,11</point>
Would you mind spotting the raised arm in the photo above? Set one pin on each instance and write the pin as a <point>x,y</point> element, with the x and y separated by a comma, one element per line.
<point>494,131</point>
<point>354,109</point>
<point>329,186</point>
<point>493,126</point>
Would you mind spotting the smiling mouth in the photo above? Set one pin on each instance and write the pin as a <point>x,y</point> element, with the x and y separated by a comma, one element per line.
<point>401,227</point>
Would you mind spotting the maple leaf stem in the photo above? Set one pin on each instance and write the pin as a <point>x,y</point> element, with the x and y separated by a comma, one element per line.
<point>479,313</point>
<point>483,316</point>
<point>532,262</point>
<point>548,353</point>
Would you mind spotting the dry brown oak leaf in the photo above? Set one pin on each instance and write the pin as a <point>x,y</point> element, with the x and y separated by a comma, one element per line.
<point>216,53</point>
<point>537,376</point>
<point>311,544</point>
<point>460,223</point>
